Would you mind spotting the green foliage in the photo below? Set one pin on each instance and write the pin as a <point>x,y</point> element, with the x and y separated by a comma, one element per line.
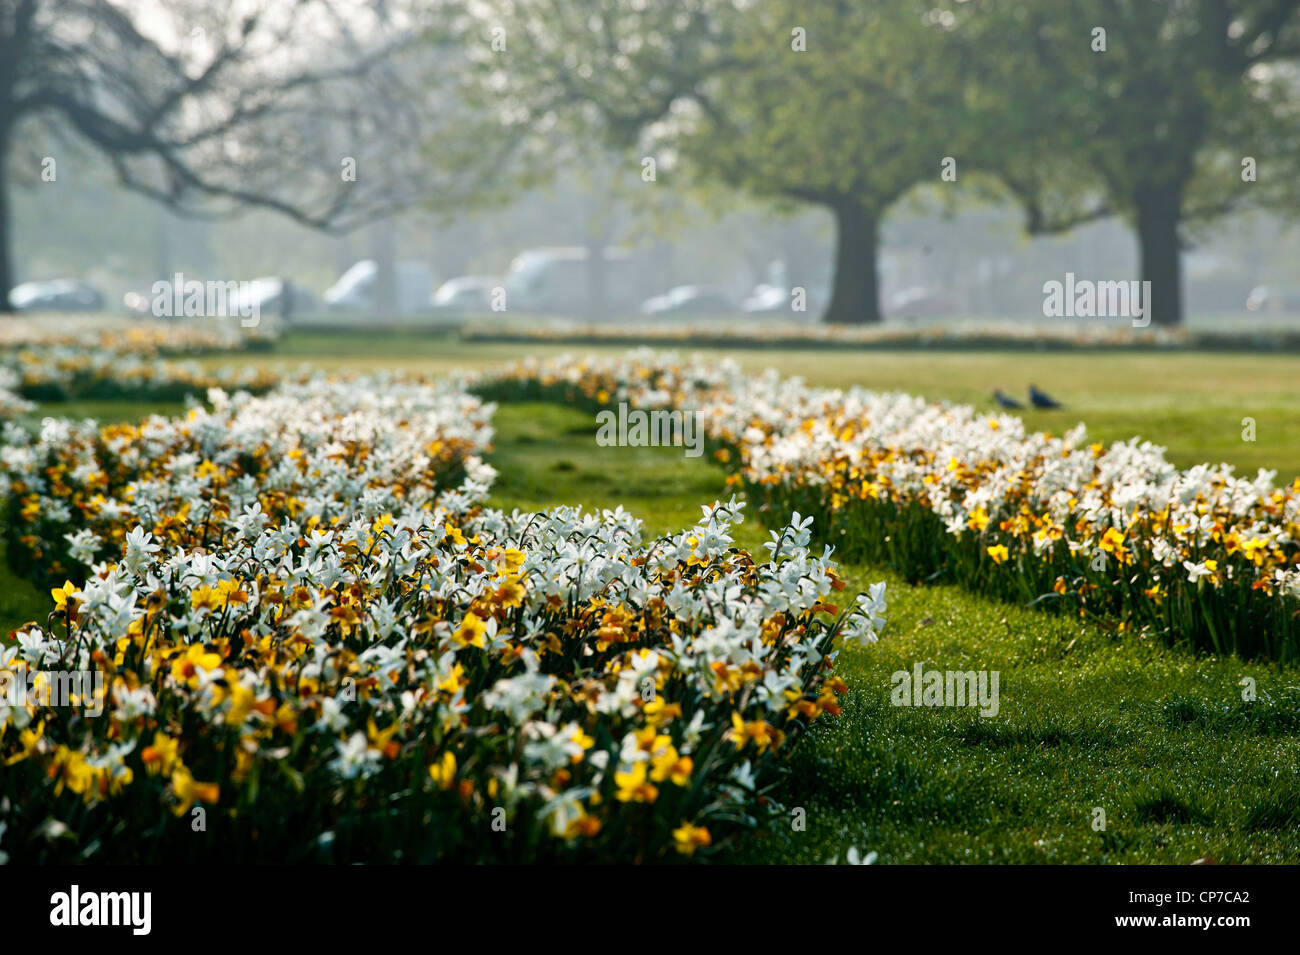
<point>1179,95</point>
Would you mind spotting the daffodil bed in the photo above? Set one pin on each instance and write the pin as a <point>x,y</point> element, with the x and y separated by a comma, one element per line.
<point>98,332</point>
<point>61,373</point>
<point>772,332</point>
<point>58,358</point>
<point>317,643</point>
<point>1199,557</point>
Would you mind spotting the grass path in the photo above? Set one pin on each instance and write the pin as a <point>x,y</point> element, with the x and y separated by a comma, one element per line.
<point>1158,738</point>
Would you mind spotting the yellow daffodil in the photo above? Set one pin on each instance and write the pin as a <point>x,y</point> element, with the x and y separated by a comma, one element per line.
<point>162,755</point>
<point>633,785</point>
<point>471,632</point>
<point>443,772</point>
<point>185,667</point>
<point>688,838</point>
<point>188,791</point>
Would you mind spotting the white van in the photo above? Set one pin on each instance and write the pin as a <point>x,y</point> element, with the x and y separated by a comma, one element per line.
<point>355,289</point>
<point>558,281</point>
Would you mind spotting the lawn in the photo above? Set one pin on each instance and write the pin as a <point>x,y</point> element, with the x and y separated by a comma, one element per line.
<point>1191,402</point>
<point>1160,739</point>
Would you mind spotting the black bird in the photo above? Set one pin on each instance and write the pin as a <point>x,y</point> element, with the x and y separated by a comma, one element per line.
<point>1004,400</point>
<point>1041,399</point>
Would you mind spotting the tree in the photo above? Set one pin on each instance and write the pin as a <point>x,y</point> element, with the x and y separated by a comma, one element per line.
<point>843,104</point>
<point>1148,110</point>
<point>211,107</point>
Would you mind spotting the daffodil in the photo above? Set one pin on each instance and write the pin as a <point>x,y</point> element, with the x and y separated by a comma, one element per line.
<point>443,772</point>
<point>688,838</point>
<point>162,755</point>
<point>185,667</point>
<point>471,632</point>
<point>29,739</point>
<point>65,598</point>
<point>633,786</point>
<point>188,791</point>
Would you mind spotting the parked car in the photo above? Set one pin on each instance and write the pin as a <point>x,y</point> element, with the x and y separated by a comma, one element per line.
<point>919,302</point>
<point>278,297</point>
<point>355,289</point>
<point>559,281</point>
<point>268,293</point>
<point>1264,298</point>
<point>689,300</point>
<point>467,294</point>
<point>56,295</point>
<point>767,300</point>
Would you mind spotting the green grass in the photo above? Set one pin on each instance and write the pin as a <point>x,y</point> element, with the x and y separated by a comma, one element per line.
<point>547,455</point>
<point>105,410</point>
<point>1159,738</point>
<point>1085,722</point>
<point>21,601</point>
<point>1191,402</point>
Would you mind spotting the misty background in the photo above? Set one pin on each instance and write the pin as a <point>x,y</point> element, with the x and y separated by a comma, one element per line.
<point>502,146</point>
<point>977,258</point>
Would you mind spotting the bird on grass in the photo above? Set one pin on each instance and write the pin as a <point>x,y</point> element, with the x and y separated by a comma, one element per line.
<point>1004,400</point>
<point>1041,399</point>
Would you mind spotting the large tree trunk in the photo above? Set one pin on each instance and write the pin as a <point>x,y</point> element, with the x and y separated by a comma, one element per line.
<point>6,263</point>
<point>855,299</point>
<point>1159,212</point>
